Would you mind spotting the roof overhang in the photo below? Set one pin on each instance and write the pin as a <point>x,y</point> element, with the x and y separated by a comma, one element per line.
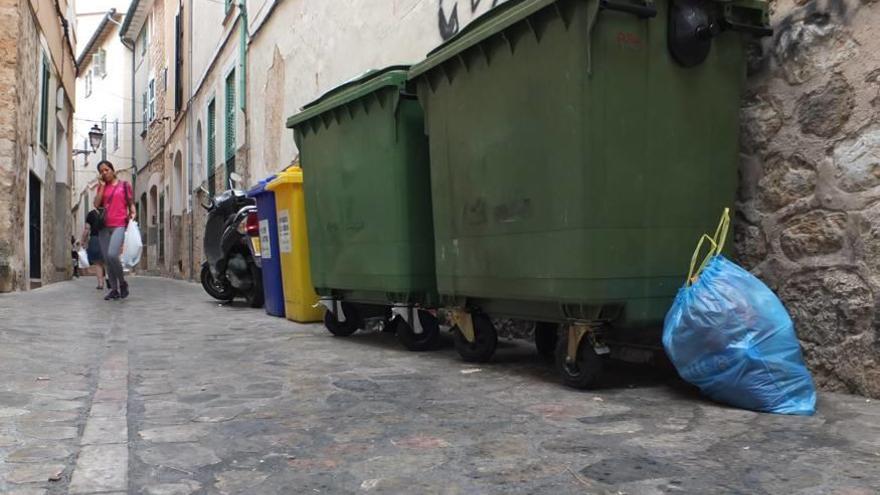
<point>103,28</point>
<point>134,20</point>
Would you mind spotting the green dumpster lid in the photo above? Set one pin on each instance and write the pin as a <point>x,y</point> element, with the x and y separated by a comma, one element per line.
<point>491,23</point>
<point>350,91</point>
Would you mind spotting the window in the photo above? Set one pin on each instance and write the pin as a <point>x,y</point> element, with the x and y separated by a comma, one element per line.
<point>44,104</point>
<point>145,115</point>
<point>212,114</point>
<point>104,141</point>
<point>230,124</point>
<point>99,61</point>
<point>89,83</point>
<point>145,37</point>
<point>115,134</point>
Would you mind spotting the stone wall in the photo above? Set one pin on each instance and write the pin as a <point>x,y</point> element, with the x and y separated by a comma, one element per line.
<point>809,210</point>
<point>11,244</point>
<point>157,131</point>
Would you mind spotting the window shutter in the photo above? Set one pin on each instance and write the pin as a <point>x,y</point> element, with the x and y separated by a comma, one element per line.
<point>44,105</point>
<point>178,63</point>
<point>115,134</point>
<point>144,113</point>
<point>211,145</point>
<point>230,117</point>
<point>151,98</point>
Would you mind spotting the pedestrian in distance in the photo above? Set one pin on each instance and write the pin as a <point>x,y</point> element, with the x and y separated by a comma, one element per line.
<point>90,236</point>
<point>74,253</point>
<point>115,199</point>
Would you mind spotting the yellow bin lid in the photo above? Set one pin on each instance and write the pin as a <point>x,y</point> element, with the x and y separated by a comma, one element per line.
<point>292,175</point>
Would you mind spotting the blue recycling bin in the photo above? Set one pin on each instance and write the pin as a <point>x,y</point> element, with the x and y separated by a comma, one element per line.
<point>273,289</point>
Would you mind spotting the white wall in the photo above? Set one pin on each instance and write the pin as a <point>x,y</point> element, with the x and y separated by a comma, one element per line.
<point>110,97</point>
<point>89,14</point>
<point>208,32</point>
<point>307,47</point>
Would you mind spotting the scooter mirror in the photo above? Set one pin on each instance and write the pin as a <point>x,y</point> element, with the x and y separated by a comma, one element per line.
<point>205,198</point>
<point>235,179</point>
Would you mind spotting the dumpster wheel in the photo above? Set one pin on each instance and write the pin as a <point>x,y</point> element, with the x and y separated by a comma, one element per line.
<point>546,337</point>
<point>425,341</point>
<point>485,339</point>
<point>585,370</point>
<point>345,328</point>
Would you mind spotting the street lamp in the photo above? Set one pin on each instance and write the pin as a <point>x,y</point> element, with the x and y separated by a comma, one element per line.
<point>96,136</point>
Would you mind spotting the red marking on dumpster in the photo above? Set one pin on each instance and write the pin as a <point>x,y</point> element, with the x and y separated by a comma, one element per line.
<point>627,39</point>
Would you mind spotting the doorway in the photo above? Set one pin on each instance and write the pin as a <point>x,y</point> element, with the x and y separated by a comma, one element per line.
<point>35,230</point>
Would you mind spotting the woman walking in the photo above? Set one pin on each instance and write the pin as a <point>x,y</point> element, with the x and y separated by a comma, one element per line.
<point>93,246</point>
<point>116,199</point>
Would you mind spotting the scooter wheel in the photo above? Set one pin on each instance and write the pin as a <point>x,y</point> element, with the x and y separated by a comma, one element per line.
<point>221,291</point>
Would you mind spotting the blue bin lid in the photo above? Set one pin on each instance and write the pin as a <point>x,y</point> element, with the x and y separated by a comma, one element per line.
<point>260,188</point>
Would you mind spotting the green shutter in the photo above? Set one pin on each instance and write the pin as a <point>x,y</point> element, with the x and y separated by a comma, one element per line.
<point>211,145</point>
<point>161,227</point>
<point>44,106</point>
<point>228,5</point>
<point>230,124</point>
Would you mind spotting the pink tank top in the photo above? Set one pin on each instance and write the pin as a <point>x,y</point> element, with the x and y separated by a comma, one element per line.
<point>115,202</point>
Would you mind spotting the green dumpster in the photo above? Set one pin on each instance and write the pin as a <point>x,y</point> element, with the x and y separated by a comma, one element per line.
<point>364,156</point>
<point>578,148</point>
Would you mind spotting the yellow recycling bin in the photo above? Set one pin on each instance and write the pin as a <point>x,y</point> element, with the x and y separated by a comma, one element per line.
<point>293,242</point>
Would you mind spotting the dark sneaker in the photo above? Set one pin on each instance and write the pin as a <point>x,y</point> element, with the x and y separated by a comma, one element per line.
<point>111,295</point>
<point>123,290</point>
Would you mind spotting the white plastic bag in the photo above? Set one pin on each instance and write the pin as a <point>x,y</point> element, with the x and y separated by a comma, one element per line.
<point>131,249</point>
<point>82,259</point>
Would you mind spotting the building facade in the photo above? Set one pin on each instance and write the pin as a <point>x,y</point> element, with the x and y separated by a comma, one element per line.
<point>103,74</point>
<point>155,32</point>
<point>38,74</point>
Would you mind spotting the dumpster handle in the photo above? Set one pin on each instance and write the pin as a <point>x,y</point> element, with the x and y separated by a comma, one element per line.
<point>645,11</point>
<point>760,31</point>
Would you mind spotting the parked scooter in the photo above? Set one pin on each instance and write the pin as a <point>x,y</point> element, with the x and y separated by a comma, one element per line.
<point>231,246</point>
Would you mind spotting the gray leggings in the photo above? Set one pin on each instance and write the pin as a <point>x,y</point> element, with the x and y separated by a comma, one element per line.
<point>111,239</point>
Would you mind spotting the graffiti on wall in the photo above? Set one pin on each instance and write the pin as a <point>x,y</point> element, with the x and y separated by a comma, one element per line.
<point>450,19</point>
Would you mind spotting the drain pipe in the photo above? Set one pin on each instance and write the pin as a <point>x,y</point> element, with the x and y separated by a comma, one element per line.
<point>131,47</point>
<point>190,153</point>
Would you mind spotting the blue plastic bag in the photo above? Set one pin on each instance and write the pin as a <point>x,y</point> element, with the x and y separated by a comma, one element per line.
<point>729,335</point>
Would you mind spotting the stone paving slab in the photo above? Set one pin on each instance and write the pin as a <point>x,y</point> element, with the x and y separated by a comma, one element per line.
<point>101,468</point>
<point>169,393</point>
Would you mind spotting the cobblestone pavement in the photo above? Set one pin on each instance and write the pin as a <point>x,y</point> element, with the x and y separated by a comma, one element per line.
<point>170,393</point>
